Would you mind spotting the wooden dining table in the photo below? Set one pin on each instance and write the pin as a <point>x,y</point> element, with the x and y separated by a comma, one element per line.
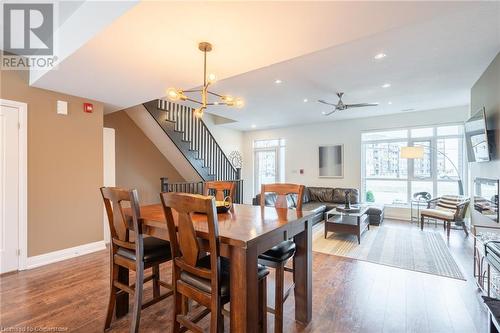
<point>245,232</point>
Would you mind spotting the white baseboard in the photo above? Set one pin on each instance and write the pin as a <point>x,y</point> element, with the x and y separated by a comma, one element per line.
<point>72,252</point>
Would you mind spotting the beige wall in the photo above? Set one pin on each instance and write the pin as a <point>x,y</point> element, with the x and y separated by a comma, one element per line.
<point>486,93</point>
<point>64,167</point>
<point>139,164</point>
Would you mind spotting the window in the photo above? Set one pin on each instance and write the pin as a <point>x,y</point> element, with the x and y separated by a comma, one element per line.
<point>388,178</point>
<point>269,166</point>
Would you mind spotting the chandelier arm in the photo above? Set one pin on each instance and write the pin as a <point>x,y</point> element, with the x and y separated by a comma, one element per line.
<point>192,90</point>
<point>215,94</point>
<point>194,101</point>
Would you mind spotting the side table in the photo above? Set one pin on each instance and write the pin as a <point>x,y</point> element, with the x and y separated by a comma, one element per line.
<point>416,205</point>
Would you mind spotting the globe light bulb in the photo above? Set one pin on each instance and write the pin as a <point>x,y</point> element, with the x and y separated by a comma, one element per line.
<point>228,99</point>
<point>173,94</point>
<point>239,103</point>
<point>211,78</point>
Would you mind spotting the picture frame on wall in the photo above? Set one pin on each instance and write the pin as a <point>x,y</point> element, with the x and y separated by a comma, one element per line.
<point>331,161</point>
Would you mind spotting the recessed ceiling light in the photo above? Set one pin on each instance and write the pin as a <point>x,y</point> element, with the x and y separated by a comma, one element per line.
<point>389,103</point>
<point>380,56</point>
<point>386,85</point>
<point>278,81</point>
<point>253,125</point>
<point>306,100</point>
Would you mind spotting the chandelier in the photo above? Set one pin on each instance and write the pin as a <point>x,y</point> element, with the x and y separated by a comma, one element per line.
<point>179,94</point>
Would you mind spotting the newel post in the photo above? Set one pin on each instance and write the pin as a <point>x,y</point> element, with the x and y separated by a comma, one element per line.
<point>239,186</point>
<point>164,184</point>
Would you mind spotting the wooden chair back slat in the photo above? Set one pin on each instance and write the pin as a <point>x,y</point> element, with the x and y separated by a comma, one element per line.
<point>221,189</point>
<point>282,191</point>
<point>188,243</point>
<point>115,200</point>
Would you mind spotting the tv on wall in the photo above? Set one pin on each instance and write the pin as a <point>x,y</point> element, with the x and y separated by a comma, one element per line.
<point>476,138</point>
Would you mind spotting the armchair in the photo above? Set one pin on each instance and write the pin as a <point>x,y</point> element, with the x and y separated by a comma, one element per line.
<point>448,209</point>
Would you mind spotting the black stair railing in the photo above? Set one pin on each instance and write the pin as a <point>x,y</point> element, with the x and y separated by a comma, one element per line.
<point>200,139</point>
<point>197,188</point>
<point>195,141</point>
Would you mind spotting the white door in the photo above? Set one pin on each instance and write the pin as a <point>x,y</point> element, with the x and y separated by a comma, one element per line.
<point>266,167</point>
<point>9,189</point>
<point>109,170</point>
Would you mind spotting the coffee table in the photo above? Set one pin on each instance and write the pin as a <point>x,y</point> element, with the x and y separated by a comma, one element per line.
<point>353,223</point>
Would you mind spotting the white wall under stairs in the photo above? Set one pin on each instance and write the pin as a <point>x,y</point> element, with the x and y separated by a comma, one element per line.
<point>148,125</point>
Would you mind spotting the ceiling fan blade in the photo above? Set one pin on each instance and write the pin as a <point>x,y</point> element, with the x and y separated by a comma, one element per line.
<point>360,105</point>
<point>329,113</point>
<point>327,103</point>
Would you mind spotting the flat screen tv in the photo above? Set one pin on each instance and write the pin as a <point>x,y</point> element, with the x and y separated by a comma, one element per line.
<point>476,138</point>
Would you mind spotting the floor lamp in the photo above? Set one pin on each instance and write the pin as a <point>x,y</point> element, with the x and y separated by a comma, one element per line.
<point>417,152</point>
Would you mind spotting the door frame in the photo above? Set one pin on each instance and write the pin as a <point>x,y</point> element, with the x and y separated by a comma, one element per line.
<point>276,149</point>
<point>23,179</point>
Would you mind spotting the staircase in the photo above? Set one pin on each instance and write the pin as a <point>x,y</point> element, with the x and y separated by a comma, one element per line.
<point>194,140</point>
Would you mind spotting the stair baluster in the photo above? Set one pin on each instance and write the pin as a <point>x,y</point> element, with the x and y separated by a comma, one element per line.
<point>194,140</point>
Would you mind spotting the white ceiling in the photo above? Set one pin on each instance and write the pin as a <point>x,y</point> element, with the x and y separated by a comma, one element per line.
<point>435,52</point>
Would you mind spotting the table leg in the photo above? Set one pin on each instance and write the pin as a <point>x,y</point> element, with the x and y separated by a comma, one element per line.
<point>303,275</point>
<point>244,290</point>
<point>359,229</point>
<point>121,308</point>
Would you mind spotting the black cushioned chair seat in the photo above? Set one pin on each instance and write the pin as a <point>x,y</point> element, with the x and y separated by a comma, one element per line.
<point>493,305</point>
<point>279,253</point>
<point>155,249</point>
<point>205,284</point>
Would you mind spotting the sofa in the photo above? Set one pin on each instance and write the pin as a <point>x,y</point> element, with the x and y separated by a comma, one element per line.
<point>322,199</point>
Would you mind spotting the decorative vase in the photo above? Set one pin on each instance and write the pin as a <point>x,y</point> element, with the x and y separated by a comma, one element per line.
<point>347,200</point>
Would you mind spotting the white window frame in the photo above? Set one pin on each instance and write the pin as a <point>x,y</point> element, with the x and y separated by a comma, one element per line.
<point>280,161</point>
<point>462,167</point>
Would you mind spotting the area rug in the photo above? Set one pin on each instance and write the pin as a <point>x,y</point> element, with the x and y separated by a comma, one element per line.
<point>406,248</point>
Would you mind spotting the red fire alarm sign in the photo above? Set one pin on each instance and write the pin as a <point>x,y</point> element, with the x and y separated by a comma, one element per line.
<point>88,107</point>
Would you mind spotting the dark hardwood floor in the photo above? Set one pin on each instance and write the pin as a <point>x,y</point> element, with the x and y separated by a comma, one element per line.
<point>348,296</point>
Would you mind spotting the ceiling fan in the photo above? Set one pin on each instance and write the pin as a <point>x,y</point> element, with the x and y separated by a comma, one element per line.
<point>341,106</point>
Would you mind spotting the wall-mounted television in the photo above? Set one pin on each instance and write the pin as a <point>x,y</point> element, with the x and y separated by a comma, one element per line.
<point>486,192</point>
<point>476,138</point>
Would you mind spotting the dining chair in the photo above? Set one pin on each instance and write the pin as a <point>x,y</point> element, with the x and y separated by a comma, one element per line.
<point>448,208</point>
<point>137,255</point>
<point>278,256</point>
<point>220,189</point>
<point>197,275</point>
